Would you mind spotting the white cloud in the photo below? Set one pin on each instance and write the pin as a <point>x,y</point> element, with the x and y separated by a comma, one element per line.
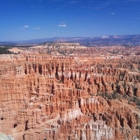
<point>37,28</point>
<point>62,25</point>
<point>26,26</point>
<point>113,3</point>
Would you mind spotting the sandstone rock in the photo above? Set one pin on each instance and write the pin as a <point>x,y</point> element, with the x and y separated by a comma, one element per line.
<point>59,97</point>
<point>137,92</point>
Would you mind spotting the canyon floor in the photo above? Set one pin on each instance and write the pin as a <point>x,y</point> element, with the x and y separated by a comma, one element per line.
<point>65,91</point>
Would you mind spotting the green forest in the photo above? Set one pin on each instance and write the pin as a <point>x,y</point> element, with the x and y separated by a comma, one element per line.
<point>4,50</point>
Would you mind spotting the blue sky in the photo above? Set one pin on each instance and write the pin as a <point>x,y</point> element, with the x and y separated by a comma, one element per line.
<point>33,19</point>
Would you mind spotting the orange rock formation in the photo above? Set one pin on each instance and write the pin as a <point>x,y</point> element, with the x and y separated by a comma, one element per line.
<point>45,97</point>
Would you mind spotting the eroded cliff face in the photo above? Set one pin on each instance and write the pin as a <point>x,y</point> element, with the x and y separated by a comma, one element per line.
<point>68,98</point>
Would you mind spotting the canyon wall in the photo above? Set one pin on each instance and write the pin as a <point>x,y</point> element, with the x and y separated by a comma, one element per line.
<point>70,98</point>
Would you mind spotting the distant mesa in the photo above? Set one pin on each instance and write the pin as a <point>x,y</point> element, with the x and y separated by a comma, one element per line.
<point>15,50</point>
<point>114,40</point>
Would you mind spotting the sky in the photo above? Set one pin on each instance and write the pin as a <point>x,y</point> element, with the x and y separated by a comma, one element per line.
<point>35,19</point>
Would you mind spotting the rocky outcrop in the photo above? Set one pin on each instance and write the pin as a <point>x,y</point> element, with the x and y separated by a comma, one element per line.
<point>45,97</point>
<point>138,92</point>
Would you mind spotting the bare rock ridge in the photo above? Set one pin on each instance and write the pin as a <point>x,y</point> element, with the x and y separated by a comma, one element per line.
<point>47,97</point>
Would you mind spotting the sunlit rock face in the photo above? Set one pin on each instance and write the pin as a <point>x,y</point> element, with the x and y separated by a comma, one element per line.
<point>46,97</point>
<point>5,137</point>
